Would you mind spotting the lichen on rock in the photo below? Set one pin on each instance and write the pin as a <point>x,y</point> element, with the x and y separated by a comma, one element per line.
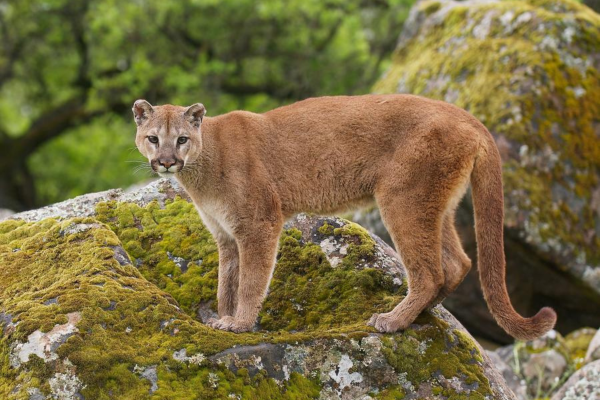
<point>101,307</point>
<point>583,385</point>
<point>543,366</point>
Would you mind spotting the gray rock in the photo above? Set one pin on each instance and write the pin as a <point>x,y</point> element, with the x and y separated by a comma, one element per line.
<point>593,351</point>
<point>42,344</point>
<point>350,365</point>
<point>35,394</point>
<point>539,365</point>
<point>150,374</point>
<point>347,369</point>
<point>5,213</point>
<point>545,369</point>
<point>85,205</point>
<point>582,385</point>
<point>516,384</point>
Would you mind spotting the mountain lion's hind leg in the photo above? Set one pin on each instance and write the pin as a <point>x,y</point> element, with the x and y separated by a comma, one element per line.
<point>455,263</point>
<point>414,224</point>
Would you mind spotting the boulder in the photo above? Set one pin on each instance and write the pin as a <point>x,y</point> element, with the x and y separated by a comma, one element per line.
<point>578,342</point>
<point>545,369</point>
<point>103,296</point>
<point>593,351</point>
<point>544,364</point>
<point>551,366</point>
<point>582,385</point>
<point>529,71</point>
<point>5,213</point>
<point>516,384</point>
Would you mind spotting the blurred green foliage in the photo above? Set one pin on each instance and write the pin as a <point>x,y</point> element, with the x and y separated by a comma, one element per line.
<point>70,70</point>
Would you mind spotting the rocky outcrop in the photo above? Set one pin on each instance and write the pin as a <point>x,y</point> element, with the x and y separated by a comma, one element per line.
<point>583,385</point>
<point>593,351</point>
<point>529,71</point>
<point>5,213</point>
<point>541,367</point>
<point>516,384</point>
<point>103,296</point>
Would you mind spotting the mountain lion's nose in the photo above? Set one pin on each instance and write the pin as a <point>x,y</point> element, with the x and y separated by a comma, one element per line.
<point>166,163</point>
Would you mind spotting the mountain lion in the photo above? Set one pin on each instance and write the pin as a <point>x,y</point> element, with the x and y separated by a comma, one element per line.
<point>247,173</point>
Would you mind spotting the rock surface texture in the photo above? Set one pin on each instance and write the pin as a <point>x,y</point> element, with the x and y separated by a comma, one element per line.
<point>529,71</point>
<point>548,366</point>
<point>103,296</point>
<point>593,351</point>
<point>583,385</point>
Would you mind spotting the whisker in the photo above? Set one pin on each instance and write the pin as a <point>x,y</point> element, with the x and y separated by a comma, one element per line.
<point>141,168</point>
<point>145,171</point>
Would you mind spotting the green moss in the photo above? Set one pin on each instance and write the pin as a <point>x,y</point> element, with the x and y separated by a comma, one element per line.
<point>7,374</point>
<point>544,344</point>
<point>433,350</point>
<point>305,293</point>
<point>390,393</point>
<point>544,102</point>
<point>308,293</point>
<point>137,315</point>
<point>362,245</point>
<point>326,229</point>
<point>222,384</point>
<point>143,327</point>
<point>156,237</point>
<point>577,343</point>
<point>429,7</point>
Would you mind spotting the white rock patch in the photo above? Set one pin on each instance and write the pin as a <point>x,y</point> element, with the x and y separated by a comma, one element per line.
<point>342,376</point>
<point>329,246</point>
<point>78,228</point>
<point>44,345</point>
<point>181,356</point>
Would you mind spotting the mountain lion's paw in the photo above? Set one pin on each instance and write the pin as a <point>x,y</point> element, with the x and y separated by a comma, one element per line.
<point>384,323</point>
<point>372,320</point>
<point>223,323</point>
<point>229,323</point>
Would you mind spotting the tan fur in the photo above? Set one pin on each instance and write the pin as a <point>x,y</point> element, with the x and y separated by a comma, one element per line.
<point>247,173</point>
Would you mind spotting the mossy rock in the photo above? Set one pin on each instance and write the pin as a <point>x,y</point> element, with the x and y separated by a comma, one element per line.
<point>551,366</point>
<point>578,343</point>
<point>529,70</point>
<point>544,364</point>
<point>110,306</point>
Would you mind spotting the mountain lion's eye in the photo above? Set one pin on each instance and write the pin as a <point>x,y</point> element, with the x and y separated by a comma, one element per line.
<point>182,140</point>
<point>153,139</point>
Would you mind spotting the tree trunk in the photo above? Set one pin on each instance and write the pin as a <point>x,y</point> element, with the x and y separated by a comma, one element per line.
<point>17,190</point>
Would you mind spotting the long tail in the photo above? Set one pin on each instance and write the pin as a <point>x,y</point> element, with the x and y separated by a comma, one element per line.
<point>488,202</point>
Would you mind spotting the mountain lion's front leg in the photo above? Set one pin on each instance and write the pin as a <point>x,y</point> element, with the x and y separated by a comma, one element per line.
<point>228,276</point>
<point>257,260</point>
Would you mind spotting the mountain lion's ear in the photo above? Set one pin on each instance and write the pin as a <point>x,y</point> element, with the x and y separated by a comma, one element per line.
<point>194,114</point>
<point>141,111</point>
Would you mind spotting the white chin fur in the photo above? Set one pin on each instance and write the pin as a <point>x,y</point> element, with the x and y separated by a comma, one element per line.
<point>164,172</point>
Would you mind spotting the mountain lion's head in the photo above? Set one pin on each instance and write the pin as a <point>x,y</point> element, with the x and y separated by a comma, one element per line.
<point>168,136</point>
